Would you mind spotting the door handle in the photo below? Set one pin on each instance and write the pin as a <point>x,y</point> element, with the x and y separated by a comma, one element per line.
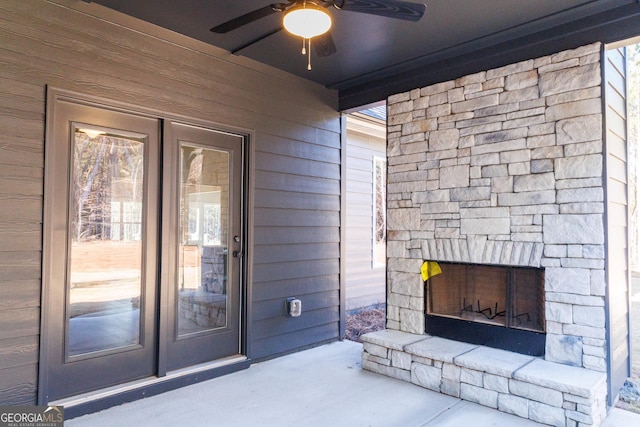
<point>237,254</point>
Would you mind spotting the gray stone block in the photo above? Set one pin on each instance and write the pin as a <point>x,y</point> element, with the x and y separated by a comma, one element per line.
<point>375,349</point>
<point>521,80</point>
<point>513,405</point>
<point>502,184</point>
<point>473,377</point>
<point>494,171</point>
<point>450,387</point>
<point>403,219</point>
<point>558,312</point>
<point>541,166</point>
<point>479,395</point>
<point>400,359</point>
<point>594,363</point>
<point>496,383</point>
<point>582,208</point>
<point>527,198</point>
<point>470,194</point>
<point>395,340</point>
<point>484,226</point>
<point>485,159</point>
<point>569,79</point>
<point>412,321</point>
<point>576,381</point>
<point>443,139</point>
<point>439,348</point>
<point>522,168</point>
<point>573,229</point>
<point>454,176</point>
<point>573,109</point>
<point>510,69</point>
<point>568,280</point>
<point>493,361</point>
<point>585,331</point>
<point>511,139</point>
<point>536,182</point>
<point>451,372</point>
<point>546,414</point>
<point>580,195</point>
<point>579,167</point>
<point>596,301</point>
<point>426,376</point>
<point>584,148</point>
<point>379,360</point>
<point>536,393</point>
<point>474,104</point>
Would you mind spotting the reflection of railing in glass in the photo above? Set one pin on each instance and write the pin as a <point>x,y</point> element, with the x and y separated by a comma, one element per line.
<point>105,242</point>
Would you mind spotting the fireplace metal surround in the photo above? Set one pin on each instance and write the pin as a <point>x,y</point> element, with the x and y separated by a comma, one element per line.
<point>492,305</point>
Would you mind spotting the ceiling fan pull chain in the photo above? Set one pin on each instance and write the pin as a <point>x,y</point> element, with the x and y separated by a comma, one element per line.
<point>309,52</point>
<point>304,49</point>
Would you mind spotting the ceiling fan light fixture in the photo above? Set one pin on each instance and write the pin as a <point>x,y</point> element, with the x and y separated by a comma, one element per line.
<point>92,133</point>
<point>307,21</point>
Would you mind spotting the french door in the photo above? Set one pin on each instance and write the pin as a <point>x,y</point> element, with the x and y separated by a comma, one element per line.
<point>141,263</point>
<point>204,238</point>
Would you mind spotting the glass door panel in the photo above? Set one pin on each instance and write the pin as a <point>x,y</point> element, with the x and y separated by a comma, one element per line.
<point>203,233</point>
<point>105,241</point>
<point>202,241</point>
<point>100,248</point>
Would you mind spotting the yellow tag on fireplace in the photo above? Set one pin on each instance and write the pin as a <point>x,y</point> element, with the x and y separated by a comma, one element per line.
<point>429,269</point>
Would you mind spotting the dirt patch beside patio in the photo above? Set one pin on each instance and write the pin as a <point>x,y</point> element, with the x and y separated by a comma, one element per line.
<point>363,322</point>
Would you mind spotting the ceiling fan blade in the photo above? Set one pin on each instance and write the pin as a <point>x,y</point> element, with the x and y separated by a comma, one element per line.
<point>388,8</point>
<point>256,40</point>
<point>245,19</point>
<point>324,45</point>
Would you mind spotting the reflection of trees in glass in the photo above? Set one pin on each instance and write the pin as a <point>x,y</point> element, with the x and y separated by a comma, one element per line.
<point>107,170</point>
<point>380,183</point>
<point>212,224</point>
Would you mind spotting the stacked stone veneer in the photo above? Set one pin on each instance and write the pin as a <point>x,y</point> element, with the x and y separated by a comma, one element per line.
<point>542,391</point>
<point>505,167</point>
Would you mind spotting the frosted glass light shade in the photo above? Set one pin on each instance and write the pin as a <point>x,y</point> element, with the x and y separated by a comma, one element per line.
<point>307,22</point>
<point>92,132</point>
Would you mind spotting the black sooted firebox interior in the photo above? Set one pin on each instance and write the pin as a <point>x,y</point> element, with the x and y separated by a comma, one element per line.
<point>496,306</point>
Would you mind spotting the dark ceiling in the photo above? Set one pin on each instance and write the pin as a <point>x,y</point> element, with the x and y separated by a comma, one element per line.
<point>378,56</point>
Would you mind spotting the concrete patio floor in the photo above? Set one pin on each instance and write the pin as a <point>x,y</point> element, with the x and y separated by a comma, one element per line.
<point>324,386</point>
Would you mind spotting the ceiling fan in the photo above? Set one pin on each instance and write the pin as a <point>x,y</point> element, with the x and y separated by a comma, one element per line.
<point>313,21</point>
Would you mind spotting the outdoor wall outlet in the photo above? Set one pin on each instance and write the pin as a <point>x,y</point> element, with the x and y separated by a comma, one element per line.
<point>294,307</point>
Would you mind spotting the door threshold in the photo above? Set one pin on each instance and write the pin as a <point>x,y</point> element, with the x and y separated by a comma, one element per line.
<point>94,401</point>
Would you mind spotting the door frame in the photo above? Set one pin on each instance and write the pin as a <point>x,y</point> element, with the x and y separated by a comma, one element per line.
<point>162,381</point>
<point>173,132</point>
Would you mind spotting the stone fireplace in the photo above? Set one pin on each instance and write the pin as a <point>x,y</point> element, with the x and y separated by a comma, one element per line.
<point>502,169</point>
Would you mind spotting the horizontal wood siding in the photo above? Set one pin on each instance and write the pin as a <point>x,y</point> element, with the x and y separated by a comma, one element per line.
<point>86,48</point>
<point>618,274</point>
<point>297,244</point>
<point>365,284</point>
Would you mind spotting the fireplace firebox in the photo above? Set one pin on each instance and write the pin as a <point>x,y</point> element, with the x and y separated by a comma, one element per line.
<point>496,306</point>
